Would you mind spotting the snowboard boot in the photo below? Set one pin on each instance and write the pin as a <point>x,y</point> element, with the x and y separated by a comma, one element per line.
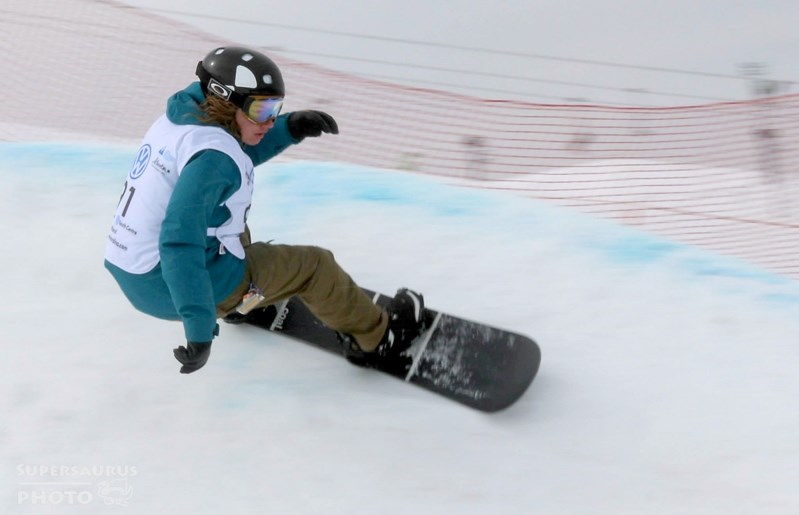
<point>235,318</point>
<point>405,324</point>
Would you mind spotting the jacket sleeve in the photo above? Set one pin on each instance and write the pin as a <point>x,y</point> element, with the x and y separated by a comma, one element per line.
<point>273,143</point>
<point>209,179</point>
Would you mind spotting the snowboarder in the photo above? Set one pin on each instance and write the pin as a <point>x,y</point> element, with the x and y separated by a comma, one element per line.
<point>179,246</point>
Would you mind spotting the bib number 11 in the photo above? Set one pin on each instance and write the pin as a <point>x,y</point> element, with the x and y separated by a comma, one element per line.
<point>126,192</point>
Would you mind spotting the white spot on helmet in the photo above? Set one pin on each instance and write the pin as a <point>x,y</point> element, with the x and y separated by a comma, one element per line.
<point>267,79</point>
<point>246,57</point>
<point>219,51</point>
<point>245,78</point>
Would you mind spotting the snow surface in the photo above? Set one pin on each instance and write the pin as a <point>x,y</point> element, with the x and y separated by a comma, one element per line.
<point>668,382</point>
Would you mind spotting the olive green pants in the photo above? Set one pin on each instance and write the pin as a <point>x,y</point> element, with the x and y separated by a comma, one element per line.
<point>312,274</point>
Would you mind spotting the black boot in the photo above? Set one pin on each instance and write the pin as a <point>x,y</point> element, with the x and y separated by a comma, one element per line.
<point>235,318</point>
<point>405,323</point>
<point>354,353</point>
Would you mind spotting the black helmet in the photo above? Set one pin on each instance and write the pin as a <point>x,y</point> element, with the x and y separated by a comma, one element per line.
<point>234,73</point>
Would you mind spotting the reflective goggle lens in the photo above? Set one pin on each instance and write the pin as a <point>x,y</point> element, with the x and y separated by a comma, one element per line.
<point>262,110</point>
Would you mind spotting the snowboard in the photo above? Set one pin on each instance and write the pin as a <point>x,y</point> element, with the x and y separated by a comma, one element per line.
<point>477,365</point>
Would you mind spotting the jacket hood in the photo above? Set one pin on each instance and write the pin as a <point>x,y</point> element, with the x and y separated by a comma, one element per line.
<point>183,108</point>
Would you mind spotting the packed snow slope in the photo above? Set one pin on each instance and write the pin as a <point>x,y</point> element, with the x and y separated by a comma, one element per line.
<point>668,382</point>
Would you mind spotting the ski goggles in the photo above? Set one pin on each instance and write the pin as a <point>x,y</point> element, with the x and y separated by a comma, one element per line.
<point>262,110</point>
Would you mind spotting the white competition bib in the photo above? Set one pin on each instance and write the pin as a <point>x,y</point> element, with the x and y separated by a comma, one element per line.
<point>167,148</point>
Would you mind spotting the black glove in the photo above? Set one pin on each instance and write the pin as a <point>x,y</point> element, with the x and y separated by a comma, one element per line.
<point>310,123</point>
<point>193,356</point>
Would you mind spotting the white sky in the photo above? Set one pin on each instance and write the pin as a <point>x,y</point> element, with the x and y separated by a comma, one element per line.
<point>709,36</point>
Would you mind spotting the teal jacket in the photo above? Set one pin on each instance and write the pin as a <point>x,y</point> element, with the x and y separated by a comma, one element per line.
<point>192,276</point>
